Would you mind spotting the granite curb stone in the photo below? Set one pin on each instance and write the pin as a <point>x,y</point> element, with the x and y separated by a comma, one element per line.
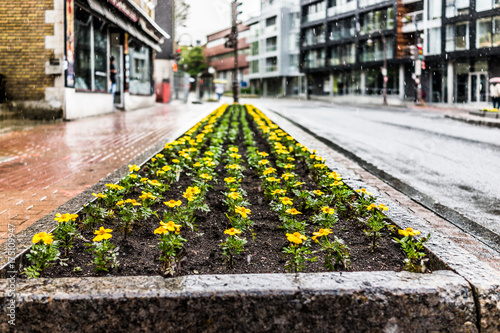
<point>397,301</point>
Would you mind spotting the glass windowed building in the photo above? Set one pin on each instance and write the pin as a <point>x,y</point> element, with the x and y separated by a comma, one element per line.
<point>450,48</point>
<point>274,49</point>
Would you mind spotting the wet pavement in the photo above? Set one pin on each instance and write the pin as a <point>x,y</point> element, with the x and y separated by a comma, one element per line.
<point>43,165</point>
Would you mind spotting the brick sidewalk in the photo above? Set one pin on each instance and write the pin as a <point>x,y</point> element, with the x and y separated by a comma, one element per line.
<point>47,165</point>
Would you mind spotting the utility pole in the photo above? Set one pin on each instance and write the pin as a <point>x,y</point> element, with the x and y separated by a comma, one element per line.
<point>233,37</point>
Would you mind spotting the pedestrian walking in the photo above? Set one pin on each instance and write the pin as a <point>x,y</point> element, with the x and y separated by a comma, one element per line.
<point>495,95</point>
<point>219,90</point>
<point>112,77</point>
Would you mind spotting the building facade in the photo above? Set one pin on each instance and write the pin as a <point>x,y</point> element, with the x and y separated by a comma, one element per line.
<point>222,58</point>
<point>60,59</point>
<point>344,43</point>
<point>274,49</point>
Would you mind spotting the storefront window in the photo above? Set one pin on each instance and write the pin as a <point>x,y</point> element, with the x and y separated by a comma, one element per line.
<point>140,70</point>
<point>83,27</point>
<point>100,55</point>
<point>457,37</point>
<point>488,32</point>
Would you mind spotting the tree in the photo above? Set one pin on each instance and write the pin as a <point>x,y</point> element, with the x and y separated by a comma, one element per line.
<point>181,12</point>
<point>193,60</point>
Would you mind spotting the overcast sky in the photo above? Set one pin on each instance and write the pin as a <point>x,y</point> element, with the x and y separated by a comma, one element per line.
<point>209,16</point>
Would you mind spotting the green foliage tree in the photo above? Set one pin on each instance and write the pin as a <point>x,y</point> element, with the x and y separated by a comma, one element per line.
<point>193,60</point>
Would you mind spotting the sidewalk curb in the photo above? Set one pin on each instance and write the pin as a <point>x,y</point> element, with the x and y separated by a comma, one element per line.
<point>474,121</point>
<point>462,300</point>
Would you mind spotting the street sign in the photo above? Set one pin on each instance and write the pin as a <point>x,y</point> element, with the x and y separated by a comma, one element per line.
<point>418,67</point>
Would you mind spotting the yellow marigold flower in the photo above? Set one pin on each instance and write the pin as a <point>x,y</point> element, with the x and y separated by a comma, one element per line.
<point>327,210</point>
<point>166,168</point>
<point>318,192</point>
<point>233,149</point>
<point>263,162</point>
<point>242,211</point>
<point>115,187</point>
<point>320,166</point>
<point>120,203</point>
<point>370,207</point>
<point>160,230</point>
<point>269,170</point>
<point>133,202</point>
<point>232,231</point>
<point>233,166</point>
<point>168,146</point>
<point>408,232</point>
<point>263,153</point>
<point>291,159</point>
<point>334,175</point>
<point>65,217</point>
<point>159,155</point>
<point>172,203</point>
<point>153,159</point>
<point>207,159</point>
<point>175,160</point>
<point>292,211</point>
<point>144,179</point>
<point>321,233</point>
<point>154,182</point>
<point>235,155</point>
<point>229,180</point>
<point>273,179</point>
<point>234,195</point>
<point>282,152</point>
<point>298,184</point>
<point>171,226</point>
<point>383,207</point>
<point>133,176</point>
<point>286,201</point>
<point>209,153</point>
<point>192,149</point>
<point>337,183</point>
<point>100,195</point>
<point>133,168</point>
<point>102,234</point>
<point>278,191</point>
<point>287,175</point>
<point>197,165</point>
<point>206,176</point>
<point>44,237</point>
<point>160,172</point>
<point>289,166</point>
<point>296,237</point>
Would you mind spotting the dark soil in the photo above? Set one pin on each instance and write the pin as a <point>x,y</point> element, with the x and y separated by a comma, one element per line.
<point>139,254</point>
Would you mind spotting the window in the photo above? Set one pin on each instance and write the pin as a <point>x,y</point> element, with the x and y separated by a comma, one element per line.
<point>343,54</point>
<point>314,12</point>
<point>315,35</point>
<point>293,42</point>
<point>293,62</point>
<point>83,50</point>
<point>341,29</point>
<point>255,48</point>
<point>271,21</point>
<point>100,56</point>
<point>434,41</point>
<point>294,20</point>
<point>482,5</point>
<point>457,7</point>
<point>315,58</point>
<point>271,44</point>
<point>374,51</point>
<point>272,64</point>
<point>366,3</point>
<point>140,70</point>
<point>377,20</point>
<point>488,32</point>
<point>457,37</point>
<point>254,66</point>
<point>336,7</point>
<point>434,9</point>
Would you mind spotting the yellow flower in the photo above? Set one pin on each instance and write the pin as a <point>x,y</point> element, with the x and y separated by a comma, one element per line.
<point>175,160</point>
<point>234,195</point>
<point>242,211</point>
<point>102,234</point>
<point>147,195</point>
<point>206,176</point>
<point>370,207</point>
<point>286,201</point>
<point>263,154</point>
<point>232,231</point>
<point>115,187</point>
<point>229,180</point>
<point>334,175</point>
<point>233,167</point>
<point>153,159</point>
<point>42,236</point>
<point>154,182</point>
<point>144,180</point>
<point>273,179</point>
<point>327,210</point>
<point>289,166</point>
<point>171,226</point>
<point>298,184</point>
<point>383,207</point>
<point>278,191</point>
<point>65,217</point>
<point>263,162</point>
<point>318,192</point>
<point>235,155</point>
<point>364,191</point>
<point>197,165</point>
<point>269,170</point>
<point>292,211</point>
<point>159,155</point>
<point>133,202</point>
<point>159,172</point>
<point>209,153</point>
<point>233,149</point>
<point>408,232</point>
<point>133,176</point>
<point>160,230</point>
<point>100,195</point>
<point>133,168</point>
<point>296,238</point>
<point>291,159</point>
<point>320,233</point>
<point>336,183</point>
<point>120,203</point>
<point>172,203</point>
<point>166,168</point>
<point>320,166</point>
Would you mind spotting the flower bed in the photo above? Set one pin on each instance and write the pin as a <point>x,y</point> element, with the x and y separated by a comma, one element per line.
<point>235,194</point>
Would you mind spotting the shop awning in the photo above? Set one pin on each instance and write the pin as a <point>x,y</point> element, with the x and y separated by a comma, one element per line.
<point>111,16</point>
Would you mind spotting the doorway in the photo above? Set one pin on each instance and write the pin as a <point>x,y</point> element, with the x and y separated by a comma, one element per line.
<point>117,52</point>
<point>478,83</point>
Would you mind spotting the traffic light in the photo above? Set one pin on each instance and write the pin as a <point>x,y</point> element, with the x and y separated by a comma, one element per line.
<point>229,43</point>
<point>174,67</point>
<point>420,51</point>
<point>235,12</point>
<point>177,54</point>
<point>413,52</point>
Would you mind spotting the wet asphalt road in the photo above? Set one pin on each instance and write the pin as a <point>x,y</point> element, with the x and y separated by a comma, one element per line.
<point>455,163</point>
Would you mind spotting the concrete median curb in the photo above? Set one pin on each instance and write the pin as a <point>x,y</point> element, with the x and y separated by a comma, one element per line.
<point>465,298</point>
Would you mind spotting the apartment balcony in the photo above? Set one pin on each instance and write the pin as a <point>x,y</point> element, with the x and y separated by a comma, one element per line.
<point>314,17</point>
<point>349,7</point>
<point>413,21</point>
